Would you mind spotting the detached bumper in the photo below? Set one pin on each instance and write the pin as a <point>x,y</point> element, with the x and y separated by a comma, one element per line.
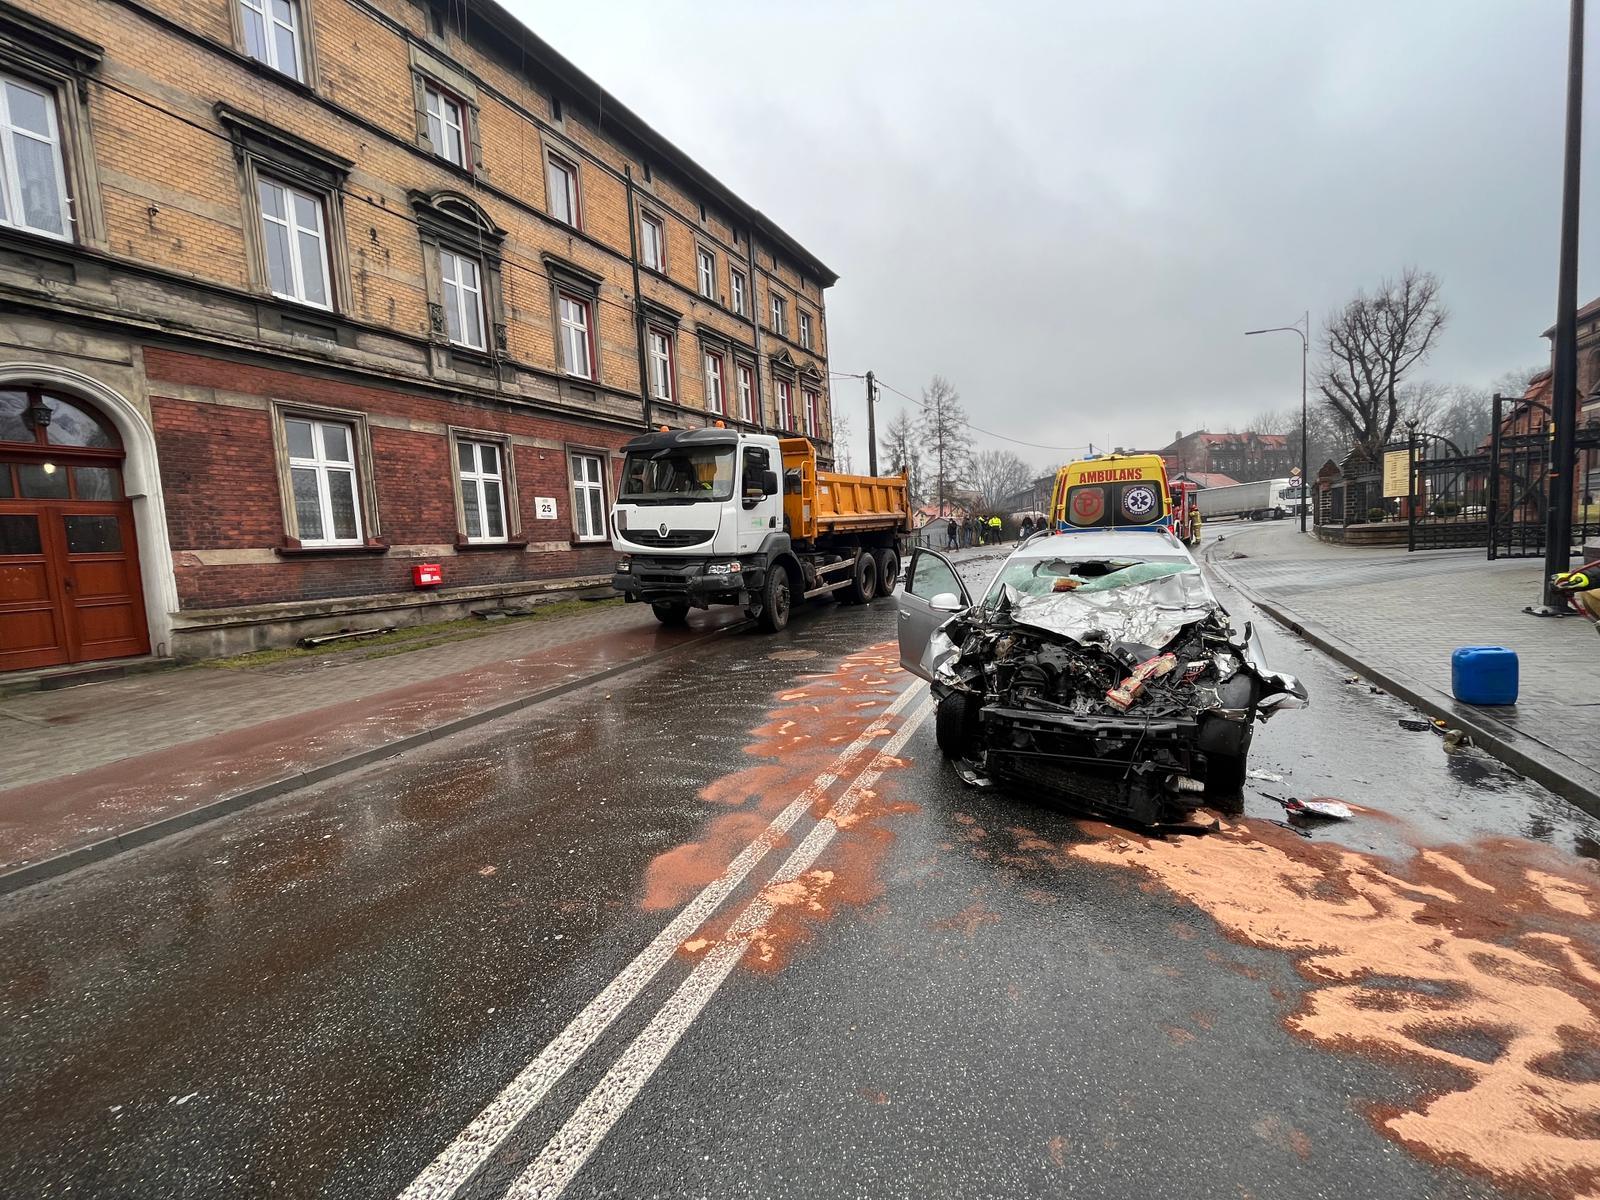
<point>673,580</point>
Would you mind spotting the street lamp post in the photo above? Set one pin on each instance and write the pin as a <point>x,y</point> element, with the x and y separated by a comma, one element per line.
<point>1305,429</point>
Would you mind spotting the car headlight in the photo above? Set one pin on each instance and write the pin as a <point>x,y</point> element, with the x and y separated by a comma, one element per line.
<point>724,568</point>
<point>624,565</point>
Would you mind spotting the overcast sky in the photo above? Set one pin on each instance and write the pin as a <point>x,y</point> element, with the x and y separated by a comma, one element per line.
<point>1074,210</point>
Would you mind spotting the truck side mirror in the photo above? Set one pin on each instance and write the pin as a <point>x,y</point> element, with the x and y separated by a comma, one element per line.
<point>769,483</point>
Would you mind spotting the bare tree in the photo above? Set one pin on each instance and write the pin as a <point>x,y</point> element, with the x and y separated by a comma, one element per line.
<point>1370,346</point>
<point>997,474</point>
<point>945,436</point>
<point>900,446</point>
<point>1284,421</point>
<point>841,443</point>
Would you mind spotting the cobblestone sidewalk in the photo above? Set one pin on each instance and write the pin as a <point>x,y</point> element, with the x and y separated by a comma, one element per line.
<point>1405,613</point>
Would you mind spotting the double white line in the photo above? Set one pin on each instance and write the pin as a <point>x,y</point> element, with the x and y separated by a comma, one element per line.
<point>561,1159</point>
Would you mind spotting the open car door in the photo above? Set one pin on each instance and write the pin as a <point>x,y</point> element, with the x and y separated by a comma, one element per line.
<point>933,592</point>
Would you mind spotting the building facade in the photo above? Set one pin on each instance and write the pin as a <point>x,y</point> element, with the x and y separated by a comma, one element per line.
<point>1245,457</point>
<point>298,295</point>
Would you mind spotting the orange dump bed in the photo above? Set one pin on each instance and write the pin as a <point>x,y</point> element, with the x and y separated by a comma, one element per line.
<point>827,502</point>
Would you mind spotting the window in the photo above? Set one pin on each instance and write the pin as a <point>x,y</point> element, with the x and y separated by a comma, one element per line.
<point>714,401</point>
<point>805,328</point>
<point>561,182</point>
<point>708,274</point>
<point>588,498</point>
<point>447,125</point>
<point>660,354</point>
<point>810,399</point>
<point>785,405</point>
<point>577,343</point>
<point>322,482</point>
<point>780,320</point>
<point>272,34</point>
<point>652,243</point>
<point>736,290</point>
<point>483,492</point>
<point>747,393</point>
<point>295,235</point>
<point>463,299</point>
<point>33,190</point>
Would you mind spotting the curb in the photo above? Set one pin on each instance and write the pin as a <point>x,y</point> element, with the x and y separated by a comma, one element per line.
<point>1571,781</point>
<point>82,856</point>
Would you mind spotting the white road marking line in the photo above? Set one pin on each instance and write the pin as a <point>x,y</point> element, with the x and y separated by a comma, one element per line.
<point>563,1157</point>
<point>471,1148</point>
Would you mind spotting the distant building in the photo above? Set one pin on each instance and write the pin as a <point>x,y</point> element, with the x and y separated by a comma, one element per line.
<point>1245,457</point>
<point>1204,479</point>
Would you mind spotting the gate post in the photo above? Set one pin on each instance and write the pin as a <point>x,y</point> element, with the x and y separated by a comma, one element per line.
<point>1492,509</point>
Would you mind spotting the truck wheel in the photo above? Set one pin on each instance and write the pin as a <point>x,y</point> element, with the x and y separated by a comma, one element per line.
<point>670,612</point>
<point>955,725</point>
<point>775,600</point>
<point>888,570</point>
<point>864,580</point>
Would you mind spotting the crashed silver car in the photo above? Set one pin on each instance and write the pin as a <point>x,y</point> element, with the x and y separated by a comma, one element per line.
<point>1099,667</point>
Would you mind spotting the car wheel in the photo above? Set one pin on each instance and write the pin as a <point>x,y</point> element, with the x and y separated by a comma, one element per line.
<point>864,580</point>
<point>669,612</point>
<point>888,570</point>
<point>1225,777</point>
<point>775,601</point>
<point>955,725</point>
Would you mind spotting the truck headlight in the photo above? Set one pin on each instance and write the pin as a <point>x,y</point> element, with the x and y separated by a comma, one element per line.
<point>624,566</point>
<point>724,568</point>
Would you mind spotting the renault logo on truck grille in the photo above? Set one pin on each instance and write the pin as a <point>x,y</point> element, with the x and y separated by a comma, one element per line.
<point>662,529</point>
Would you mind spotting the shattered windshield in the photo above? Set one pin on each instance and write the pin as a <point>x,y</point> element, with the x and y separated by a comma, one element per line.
<point>1049,576</point>
<point>678,473</point>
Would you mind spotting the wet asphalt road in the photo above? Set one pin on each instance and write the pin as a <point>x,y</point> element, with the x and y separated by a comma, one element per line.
<point>965,994</point>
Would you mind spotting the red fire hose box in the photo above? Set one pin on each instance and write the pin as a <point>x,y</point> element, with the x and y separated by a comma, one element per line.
<point>427,575</point>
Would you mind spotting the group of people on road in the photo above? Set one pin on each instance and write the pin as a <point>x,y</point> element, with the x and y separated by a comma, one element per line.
<point>973,531</point>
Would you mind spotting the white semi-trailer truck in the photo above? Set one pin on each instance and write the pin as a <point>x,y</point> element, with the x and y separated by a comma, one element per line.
<point>717,516</point>
<point>1263,500</point>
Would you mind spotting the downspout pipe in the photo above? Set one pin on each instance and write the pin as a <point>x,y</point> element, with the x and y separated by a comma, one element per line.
<point>638,308</point>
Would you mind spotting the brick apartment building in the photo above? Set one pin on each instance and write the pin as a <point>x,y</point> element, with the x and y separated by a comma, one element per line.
<point>296,295</point>
<point>1245,457</point>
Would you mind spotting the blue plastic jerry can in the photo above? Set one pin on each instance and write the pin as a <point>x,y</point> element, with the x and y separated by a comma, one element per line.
<point>1484,675</point>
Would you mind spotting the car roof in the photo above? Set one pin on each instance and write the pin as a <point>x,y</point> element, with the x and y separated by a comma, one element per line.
<point>1105,543</point>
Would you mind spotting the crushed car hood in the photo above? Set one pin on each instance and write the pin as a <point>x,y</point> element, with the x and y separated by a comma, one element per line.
<point>1144,616</point>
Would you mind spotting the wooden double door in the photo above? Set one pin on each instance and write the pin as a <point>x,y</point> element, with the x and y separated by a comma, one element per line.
<point>69,581</point>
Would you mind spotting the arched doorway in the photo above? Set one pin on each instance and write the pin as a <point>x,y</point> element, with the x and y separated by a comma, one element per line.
<point>70,589</point>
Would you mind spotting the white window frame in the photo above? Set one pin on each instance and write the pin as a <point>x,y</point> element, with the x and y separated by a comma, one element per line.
<point>811,405</point>
<point>14,216</point>
<point>449,116</point>
<point>295,231</point>
<point>658,352</point>
<point>736,290</point>
<point>805,328</point>
<point>581,330</point>
<point>716,397</point>
<point>263,10</point>
<point>481,481</point>
<point>325,466</point>
<point>706,272</point>
<point>554,163</point>
<point>780,316</point>
<point>785,405</point>
<point>582,487</point>
<point>649,224</point>
<point>462,297</point>
<point>747,391</point>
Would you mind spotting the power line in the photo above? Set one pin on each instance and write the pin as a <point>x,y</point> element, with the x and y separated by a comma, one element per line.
<point>977,428</point>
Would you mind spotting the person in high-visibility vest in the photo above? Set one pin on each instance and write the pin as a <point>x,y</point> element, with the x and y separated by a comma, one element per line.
<point>1582,588</point>
<point>994,530</point>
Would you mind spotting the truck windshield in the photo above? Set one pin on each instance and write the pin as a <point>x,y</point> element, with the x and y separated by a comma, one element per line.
<point>678,473</point>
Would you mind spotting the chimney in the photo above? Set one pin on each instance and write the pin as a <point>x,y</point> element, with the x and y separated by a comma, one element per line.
<point>1177,435</point>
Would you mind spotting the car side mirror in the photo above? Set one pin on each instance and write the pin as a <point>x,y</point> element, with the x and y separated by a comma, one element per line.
<point>946,602</point>
<point>769,483</point>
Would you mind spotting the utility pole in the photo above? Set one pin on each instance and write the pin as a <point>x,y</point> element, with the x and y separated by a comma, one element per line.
<point>1305,432</point>
<point>1564,382</point>
<point>872,424</point>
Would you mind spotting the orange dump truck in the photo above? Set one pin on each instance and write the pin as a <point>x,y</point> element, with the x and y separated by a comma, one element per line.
<point>716,516</point>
